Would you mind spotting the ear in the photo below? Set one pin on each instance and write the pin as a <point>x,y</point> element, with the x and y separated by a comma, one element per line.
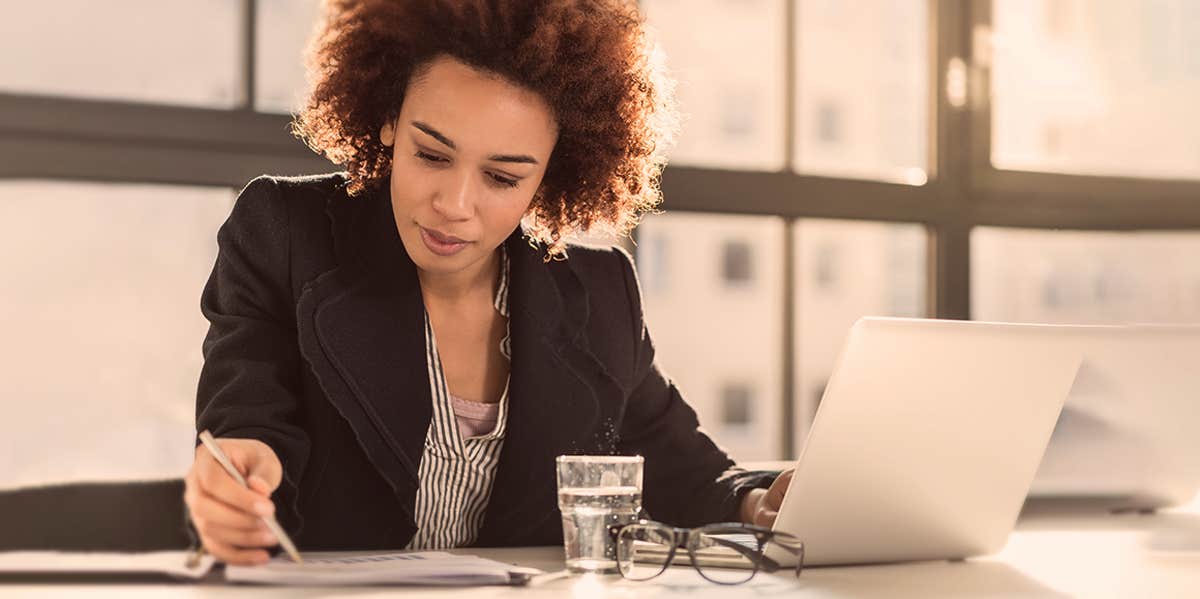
<point>387,133</point>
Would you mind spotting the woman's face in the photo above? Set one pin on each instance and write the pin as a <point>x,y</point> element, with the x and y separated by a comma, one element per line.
<point>468,152</point>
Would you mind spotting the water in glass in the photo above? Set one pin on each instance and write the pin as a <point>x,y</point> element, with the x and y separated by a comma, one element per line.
<point>587,514</point>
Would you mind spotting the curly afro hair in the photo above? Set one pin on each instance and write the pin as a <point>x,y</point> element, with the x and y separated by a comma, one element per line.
<point>590,60</point>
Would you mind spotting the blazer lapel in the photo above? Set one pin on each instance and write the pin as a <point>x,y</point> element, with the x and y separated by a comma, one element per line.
<point>561,398</point>
<point>361,328</point>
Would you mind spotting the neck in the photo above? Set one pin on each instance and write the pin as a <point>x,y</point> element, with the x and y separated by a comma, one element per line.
<point>464,285</point>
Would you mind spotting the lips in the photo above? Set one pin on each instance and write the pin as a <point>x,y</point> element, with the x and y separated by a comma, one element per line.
<point>444,238</point>
<point>440,243</point>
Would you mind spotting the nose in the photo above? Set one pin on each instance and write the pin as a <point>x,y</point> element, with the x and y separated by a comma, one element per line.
<point>455,199</point>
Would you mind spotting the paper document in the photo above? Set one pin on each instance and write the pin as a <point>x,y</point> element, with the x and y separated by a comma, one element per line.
<point>423,568</point>
<point>319,569</point>
<point>171,563</point>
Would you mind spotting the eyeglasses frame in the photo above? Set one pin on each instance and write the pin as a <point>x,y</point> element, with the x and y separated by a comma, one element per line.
<point>681,537</point>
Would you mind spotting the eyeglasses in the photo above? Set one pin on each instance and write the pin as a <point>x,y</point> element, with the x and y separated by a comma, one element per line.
<point>725,553</point>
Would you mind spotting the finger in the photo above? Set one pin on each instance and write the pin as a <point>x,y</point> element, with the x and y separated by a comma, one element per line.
<point>778,488</point>
<point>260,486</point>
<point>209,510</point>
<point>266,466</point>
<point>216,482</point>
<point>243,538</point>
<point>765,517</point>
<point>254,458</point>
<point>234,555</point>
<point>190,489</point>
<point>191,492</point>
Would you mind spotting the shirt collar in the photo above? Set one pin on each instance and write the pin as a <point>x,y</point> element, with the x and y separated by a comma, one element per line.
<point>501,299</point>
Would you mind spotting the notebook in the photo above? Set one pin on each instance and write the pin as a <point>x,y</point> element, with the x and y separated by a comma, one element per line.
<point>174,564</point>
<point>319,569</point>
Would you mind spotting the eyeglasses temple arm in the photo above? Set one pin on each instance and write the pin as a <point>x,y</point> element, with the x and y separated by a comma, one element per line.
<point>768,564</point>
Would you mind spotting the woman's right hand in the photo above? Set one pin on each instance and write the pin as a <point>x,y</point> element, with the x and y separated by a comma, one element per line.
<point>226,514</point>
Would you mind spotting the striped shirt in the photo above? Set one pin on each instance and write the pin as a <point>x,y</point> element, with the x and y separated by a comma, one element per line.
<point>456,473</point>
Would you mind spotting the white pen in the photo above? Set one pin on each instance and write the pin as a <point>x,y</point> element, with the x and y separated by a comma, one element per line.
<point>209,442</point>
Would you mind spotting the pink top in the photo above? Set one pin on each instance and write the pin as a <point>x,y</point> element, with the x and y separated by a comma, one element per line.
<point>474,418</point>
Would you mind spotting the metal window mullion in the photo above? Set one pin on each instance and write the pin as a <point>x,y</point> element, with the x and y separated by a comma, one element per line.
<point>950,268</point>
<point>89,160</point>
<point>948,263</point>
<point>249,54</point>
<point>791,80</point>
<point>979,74</point>
<point>788,354</point>
<point>149,124</point>
<point>788,338</point>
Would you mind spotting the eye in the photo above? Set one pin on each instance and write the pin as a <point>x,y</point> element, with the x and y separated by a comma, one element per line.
<point>504,181</point>
<point>430,158</point>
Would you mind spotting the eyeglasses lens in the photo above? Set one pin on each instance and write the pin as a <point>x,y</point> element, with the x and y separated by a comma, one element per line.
<point>642,551</point>
<point>725,558</point>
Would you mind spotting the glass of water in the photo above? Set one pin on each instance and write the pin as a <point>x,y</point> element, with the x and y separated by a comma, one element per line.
<point>595,493</point>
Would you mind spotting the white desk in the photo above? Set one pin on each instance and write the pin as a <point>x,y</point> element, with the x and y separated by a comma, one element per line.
<point>1052,554</point>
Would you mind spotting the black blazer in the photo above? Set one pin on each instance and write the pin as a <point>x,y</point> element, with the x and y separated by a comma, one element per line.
<point>317,348</point>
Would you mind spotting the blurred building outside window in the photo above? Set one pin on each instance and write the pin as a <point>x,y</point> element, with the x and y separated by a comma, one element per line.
<point>737,405</point>
<point>1096,87</point>
<point>707,332</point>
<point>133,50</point>
<point>102,327</point>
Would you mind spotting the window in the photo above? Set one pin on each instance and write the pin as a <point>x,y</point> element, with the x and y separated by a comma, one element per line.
<point>825,267</point>
<point>861,89</point>
<point>807,173</point>
<point>1089,277</point>
<point>731,87</point>
<point>705,336</point>
<point>1104,88</point>
<point>737,405</point>
<point>652,255</point>
<point>284,28</point>
<point>185,53</point>
<point>101,319</point>
<point>846,270</point>
<point>829,124</point>
<point>737,263</point>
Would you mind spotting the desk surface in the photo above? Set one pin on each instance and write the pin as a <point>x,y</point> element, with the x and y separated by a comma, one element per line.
<point>1053,553</point>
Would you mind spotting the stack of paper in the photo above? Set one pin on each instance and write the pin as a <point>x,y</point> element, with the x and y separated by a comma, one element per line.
<point>425,568</point>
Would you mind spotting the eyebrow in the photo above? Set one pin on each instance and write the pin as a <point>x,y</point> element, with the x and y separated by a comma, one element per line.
<point>434,133</point>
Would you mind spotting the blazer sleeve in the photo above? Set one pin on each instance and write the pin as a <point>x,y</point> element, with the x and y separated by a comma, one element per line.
<point>249,382</point>
<point>688,480</point>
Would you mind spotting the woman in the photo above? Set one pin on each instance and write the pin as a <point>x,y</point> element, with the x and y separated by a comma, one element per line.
<point>398,352</point>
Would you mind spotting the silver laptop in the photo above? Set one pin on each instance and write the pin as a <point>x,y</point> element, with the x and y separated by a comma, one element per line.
<point>927,439</point>
<point>1127,436</point>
